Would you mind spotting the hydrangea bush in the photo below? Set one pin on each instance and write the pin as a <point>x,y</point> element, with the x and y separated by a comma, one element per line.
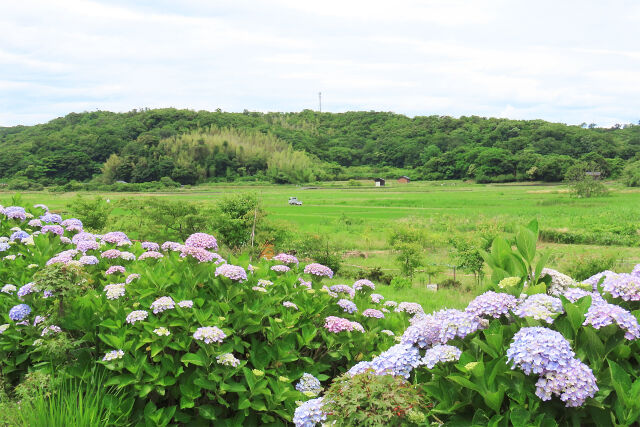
<point>185,335</point>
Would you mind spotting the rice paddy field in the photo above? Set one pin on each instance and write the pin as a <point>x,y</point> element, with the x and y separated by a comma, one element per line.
<point>360,218</point>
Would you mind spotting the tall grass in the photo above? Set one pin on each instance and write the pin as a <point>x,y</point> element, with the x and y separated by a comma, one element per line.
<point>75,404</point>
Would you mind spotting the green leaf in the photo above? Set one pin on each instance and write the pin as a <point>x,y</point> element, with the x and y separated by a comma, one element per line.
<point>526,243</point>
<point>464,382</point>
<point>192,358</point>
<point>519,416</point>
<point>244,403</point>
<point>494,399</point>
<point>621,382</point>
<point>208,412</point>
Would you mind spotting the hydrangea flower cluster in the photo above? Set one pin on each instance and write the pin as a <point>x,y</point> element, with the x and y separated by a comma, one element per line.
<point>209,334</point>
<point>115,237</point>
<point>343,289</point>
<point>309,413</point>
<point>53,229</point>
<point>441,327</point>
<point>114,290</point>
<point>83,236</point>
<point>286,258</point>
<point>595,279</point>
<point>602,314</point>
<point>409,307</point>
<point>258,289</point>
<point>137,316</point>
<point>87,245</point>
<point>113,355</point>
<point>559,281</point>
<point>50,218</point>
<point>25,290</point>
<point>347,306</point>
<point>111,254</point>
<point>150,246</point>
<point>492,304</point>
<point>34,223</point>
<point>130,278</point>
<point>264,283</point>
<point>625,286</point>
<point>185,303</point>
<point>376,298</point>
<point>540,307</point>
<point>88,260</point>
<point>53,329</point>
<point>338,324</point>
<point>127,256</point>
<point>392,304</point>
<point>539,350</point>
<point>399,360</point>
<point>202,240</point>
<point>150,254</point>
<point>162,304</point>
<point>289,304</point>
<point>309,384</point>
<point>363,283</point>
<point>228,359</point>
<point>115,269</point>
<point>232,272</point>
<point>19,312</point>
<point>72,224</point>
<point>4,246</point>
<point>18,235</point>
<point>372,312</point>
<point>280,268</point>
<point>8,289</point>
<point>318,270</point>
<point>162,331</point>
<point>573,384</point>
<point>171,246</point>
<point>15,212</point>
<point>440,353</point>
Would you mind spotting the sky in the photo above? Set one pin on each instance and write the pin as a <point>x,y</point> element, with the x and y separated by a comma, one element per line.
<point>563,61</point>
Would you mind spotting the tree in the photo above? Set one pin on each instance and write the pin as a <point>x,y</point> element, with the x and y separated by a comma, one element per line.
<point>583,184</point>
<point>467,257</point>
<point>234,218</point>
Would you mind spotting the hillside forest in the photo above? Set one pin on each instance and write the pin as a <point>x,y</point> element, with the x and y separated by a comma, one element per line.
<point>191,147</point>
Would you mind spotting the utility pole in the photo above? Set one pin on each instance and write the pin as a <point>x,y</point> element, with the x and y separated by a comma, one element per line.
<point>320,101</point>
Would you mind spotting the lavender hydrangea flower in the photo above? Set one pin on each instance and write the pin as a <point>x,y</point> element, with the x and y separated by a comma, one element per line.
<point>625,286</point>
<point>73,223</point>
<point>304,283</point>
<point>53,329</point>
<point>162,304</point>
<point>87,245</point>
<point>111,254</point>
<point>289,304</point>
<point>540,307</point>
<point>228,359</point>
<point>387,332</point>
<point>492,304</point>
<point>83,237</point>
<point>343,289</point>
<point>357,327</point>
<point>50,218</point>
<point>392,304</point>
<point>115,269</point>
<point>8,289</point>
<point>35,223</point>
<point>309,384</point>
<point>114,290</point>
<point>88,260</point>
<point>264,283</point>
<point>232,272</point>
<point>53,229</point>
<point>539,350</point>
<point>171,246</point>
<point>318,270</point>
<point>309,413</point>
<point>25,290</point>
<point>440,354</point>
<point>113,355</point>
<point>150,254</point>
<point>150,246</point>
<point>201,254</point>
<point>399,360</point>
<point>329,291</point>
<point>372,312</point>
<point>338,324</point>
<point>38,320</point>
<point>286,258</point>
<point>130,278</point>
<point>209,334</point>
<point>573,384</point>
<point>15,212</point>
<point>595,279</point>
<point>409,307</point>
<point>114,237</point>
<point>441,327</point>
<point>376,298</point>
<point>41,206</point>
<point>202,240</point>
<point>347,306</point>
<point>280,268</point>
<point>185,304</point>
<point>19,312</point>
<point>259,289</point>
<point>602,314</point>
<point>127,256</point>
<point>137,316</point>
<point>4,246</point>
<point>18,235</point>
<point>363,283</point>
<point>636,270</point>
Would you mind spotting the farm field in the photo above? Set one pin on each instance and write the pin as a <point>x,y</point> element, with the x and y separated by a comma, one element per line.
<point>360,218</point>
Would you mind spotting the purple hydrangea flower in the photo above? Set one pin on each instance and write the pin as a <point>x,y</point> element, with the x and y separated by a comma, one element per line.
<point>441,327</point>
<point>593,280</point>
<point>233,272</point>
<point>201,254</point>
<point>115,237</point>
<point>408,307</point>
<point>130,278</point>
<point>625,286</point>
<point>151,254</point>
<point>171,246</point>
<point>289,304</point>
<point>202,240</point>
<point>15,212</point>
<point>25,290</point>
<point>111,254</point>
<point>440,354</point>
<point>19,235</point>
<point>83,237</point>
<point>150,246</point>
<point>35,223</point>
<point>19,312</point>
<point>372,312</point>
<point>539,350</point>
<point>53,329</point>
<point>137,316</point>
<point>304,283</point>
<point>88,260</point>
<point>573,383</point>
<point>53,229</point>
<point>228,359</point>
<point>347,306</point>
<point>376,298</point>
<point>363,283</point>
<point>343,289</point>
<point>492,304</point>
<point>162,304</point>
<point>399,360</point>
<point>318,270</point>
<point>50,218</point>
<point>338,324</point>
<point>185,304</point>
<point>602,314</point>
<point>309,383</point>
<point>115,269</point>
<point>280,268</point>
<point>114,290</point>
<point>286,258</point>
<point>209,334</point>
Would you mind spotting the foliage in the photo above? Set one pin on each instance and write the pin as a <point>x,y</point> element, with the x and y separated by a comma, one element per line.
<point>320,249</point>
<point>235,218</point>
<point>374,400</point>
<point>582,184</point>
<point>400,282</point>
<point>449,283</point>
<point>631,174</point>
<point>194,146</point>
<point>408,257</point>
<point>584,267</point>
<point>467,257</point>
<point>94,213</point>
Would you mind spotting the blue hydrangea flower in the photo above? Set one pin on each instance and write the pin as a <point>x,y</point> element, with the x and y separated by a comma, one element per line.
<point>50,218</point>
<point>4,246</point>
<point>441,327</point>
<point>309,413</point>
<point>540,307</point>
<point>625,286</point>
<point>492,304</point>
<point>19,235</point>
<point>440,354</point>
<point>19,312</point>
<point>309,383</point>
<point>573,384</point>
<point>399,360</point>
<point>348,306</point>
<point>602,314</point>
<point>539,350</point>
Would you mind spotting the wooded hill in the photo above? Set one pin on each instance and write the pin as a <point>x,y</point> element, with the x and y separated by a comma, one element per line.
<point>191,147</point>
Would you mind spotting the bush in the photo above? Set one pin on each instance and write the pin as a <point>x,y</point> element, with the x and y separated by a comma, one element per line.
<point>94,213</point>
<point>584,267</point>
<point>400,282</point>
<point>449,283</point>
<point>631,174</point>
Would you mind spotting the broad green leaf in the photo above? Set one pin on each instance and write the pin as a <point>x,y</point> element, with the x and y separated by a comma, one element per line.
<point>526,243</point>
<point>192,358</point>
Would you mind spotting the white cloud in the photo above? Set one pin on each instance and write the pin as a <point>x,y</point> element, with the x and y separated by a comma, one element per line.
<point>547,60</point>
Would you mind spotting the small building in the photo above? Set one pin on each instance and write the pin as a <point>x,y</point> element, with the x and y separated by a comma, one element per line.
<point>595,175</point>
<point>404,180</point>
<point>379,182</point>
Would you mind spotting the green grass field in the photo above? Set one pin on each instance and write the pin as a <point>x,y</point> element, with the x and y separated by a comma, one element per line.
<point>360,218</point>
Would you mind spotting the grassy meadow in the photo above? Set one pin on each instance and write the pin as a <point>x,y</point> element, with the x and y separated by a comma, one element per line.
<point>360,218</point>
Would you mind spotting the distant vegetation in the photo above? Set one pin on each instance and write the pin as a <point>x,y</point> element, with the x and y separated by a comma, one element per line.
<point>191,147</point>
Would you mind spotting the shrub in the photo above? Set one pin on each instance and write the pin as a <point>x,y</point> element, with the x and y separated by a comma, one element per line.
<point>450,283</point>
<point>400,282</point>
<point>584,267</point>
<point>631,174</point>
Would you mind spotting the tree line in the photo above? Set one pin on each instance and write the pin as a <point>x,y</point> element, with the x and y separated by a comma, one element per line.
<point>197,146</point>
